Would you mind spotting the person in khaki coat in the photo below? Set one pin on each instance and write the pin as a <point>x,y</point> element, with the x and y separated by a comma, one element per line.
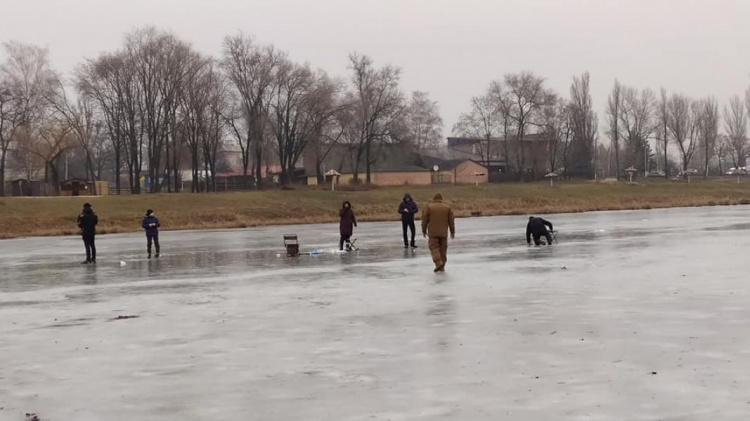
<point>437,220</point>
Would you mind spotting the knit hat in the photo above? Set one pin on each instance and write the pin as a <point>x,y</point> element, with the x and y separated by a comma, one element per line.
<point>149,212</point>
<point>87,205</point>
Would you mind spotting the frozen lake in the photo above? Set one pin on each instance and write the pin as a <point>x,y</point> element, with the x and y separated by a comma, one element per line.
<point>634,315</point>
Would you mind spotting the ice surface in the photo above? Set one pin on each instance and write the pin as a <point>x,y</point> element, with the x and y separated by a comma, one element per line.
<point>228,327</point>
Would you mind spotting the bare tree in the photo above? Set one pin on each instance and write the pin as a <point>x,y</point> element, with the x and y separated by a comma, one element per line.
<point>193,101</point>
<point>559,133</point>
<point>112,83</point>
<point>301,104</point>
<point>80,117</point>
<point>53,140</point>
<point>708,129</point>
<point>24,79</point>
<point>250,69</point>
<point>721,147</point>
<point>23,154</point>
<point>637,123</point>
<point>107,80</point>
<point>375,101</point>
<point>585,127</point>
<point>160,62</point>
<point>211,124</point>
<point>614,107</point>
<point>331,131</point>
<point>663,128</point>
<point>10,120</point>
<point>525,101</point>
<point>682,126</point>
<point>424,125</point>
<point>735,123</point>
<point>483,121</point>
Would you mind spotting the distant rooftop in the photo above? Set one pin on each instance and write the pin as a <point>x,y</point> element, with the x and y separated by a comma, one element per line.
<point>384,167</point>
<point>463,141</point>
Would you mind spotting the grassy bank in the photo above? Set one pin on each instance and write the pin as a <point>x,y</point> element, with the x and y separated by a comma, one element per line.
<point>56,215</point>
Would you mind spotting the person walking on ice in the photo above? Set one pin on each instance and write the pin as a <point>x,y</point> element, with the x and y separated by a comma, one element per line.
<point>151,225</point>
<point>408,209</point>
<point>346,226</point>
<point>537,227</point>
<point>437,220</point>
<point>87,221</point>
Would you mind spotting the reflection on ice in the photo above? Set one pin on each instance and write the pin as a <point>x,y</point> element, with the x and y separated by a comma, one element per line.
<point>229,327</point>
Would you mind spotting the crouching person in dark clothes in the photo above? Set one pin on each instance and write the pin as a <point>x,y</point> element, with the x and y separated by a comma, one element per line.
<point>537,227</point>
<point>151,225</point>
<point>87,221</point>
<point>408,209</point>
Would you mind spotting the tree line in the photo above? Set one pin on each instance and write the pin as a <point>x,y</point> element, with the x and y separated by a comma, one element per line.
<point>665,135</point>
<point>156,104</point>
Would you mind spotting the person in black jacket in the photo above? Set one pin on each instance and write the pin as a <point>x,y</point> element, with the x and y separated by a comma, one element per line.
<point>537,227</point>
<point>87,221</point>
<point>347,224</point>
<point>408,209</point>
<point>151,225</point>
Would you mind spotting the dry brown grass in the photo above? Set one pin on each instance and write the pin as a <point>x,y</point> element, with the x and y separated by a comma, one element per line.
<point>57,215</point>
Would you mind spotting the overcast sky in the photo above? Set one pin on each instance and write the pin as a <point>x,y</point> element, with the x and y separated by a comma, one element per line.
<point>450,48</point>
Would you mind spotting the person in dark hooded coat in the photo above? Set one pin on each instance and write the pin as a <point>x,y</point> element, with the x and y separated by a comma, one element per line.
<point>151,225</point>
<point>408,209</point>
<point>537,227</point>
<point>347,224</point>
<point>87,221</point>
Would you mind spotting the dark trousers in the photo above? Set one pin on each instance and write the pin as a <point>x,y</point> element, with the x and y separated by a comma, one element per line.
<point>342,240</point>
<point>152,238</point>
<point>89,244</point>
<point>408,225</point>
<point>538,236</point>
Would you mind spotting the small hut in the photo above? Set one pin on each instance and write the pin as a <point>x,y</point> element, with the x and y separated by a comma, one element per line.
<point>83,187</point>
<point>21,187</point>
<point>74,187</point>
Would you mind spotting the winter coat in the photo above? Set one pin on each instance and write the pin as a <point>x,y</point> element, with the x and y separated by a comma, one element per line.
<point>408,208</point>
<point>87,221</point>
<point>348,221</point>
<point>151,225</point>
<point>537,227</point>
<point>437,219</point>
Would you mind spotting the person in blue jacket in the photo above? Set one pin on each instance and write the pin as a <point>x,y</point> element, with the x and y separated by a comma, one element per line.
<point>151,225</point>
<point>408,209</point>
